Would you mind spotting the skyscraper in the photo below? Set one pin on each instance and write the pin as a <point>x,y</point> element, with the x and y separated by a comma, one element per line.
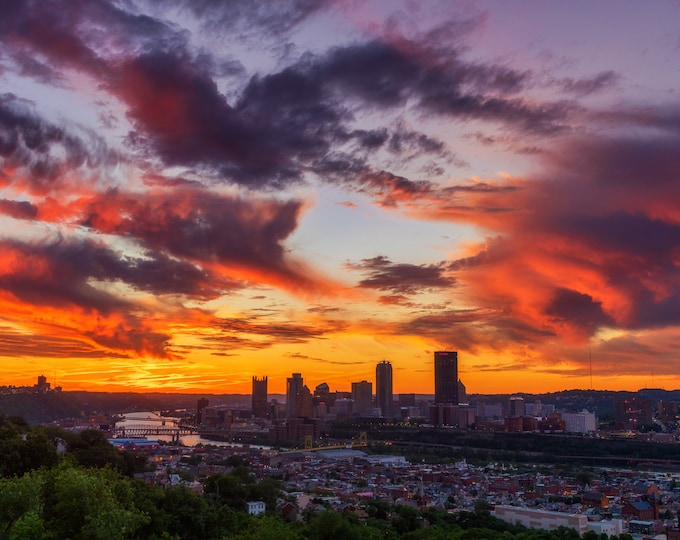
<point>259,397</point>
<point>446,377</point>
<point>294,385</point>
<point>383,388</point>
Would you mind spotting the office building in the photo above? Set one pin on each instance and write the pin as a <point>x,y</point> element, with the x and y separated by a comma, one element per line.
<point>383,388</point>
<point>294,385</point>
<point>259,397</point>
<point>516,406</point>
<point>633,413</point>
<point>362,396</point>
<point>201,404</point>
<point>446,377</point>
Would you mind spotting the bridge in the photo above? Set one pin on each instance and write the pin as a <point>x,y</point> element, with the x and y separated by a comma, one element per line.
<point>178,431</point>
<point>361,441</point>
<point>144,430</point>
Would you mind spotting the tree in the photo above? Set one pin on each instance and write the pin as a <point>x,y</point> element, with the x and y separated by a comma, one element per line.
<point>227,489</point>
<point>18,498</point>
<point>268,528</point>
<point>89,503</point>
<point>186,512</point>
<point>331,525</point>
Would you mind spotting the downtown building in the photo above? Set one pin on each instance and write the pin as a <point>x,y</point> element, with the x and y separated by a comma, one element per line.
<point>362,398</point>
<point>259,397</point>
<point>447,410</point>
<point>294,386</point>
<point>446,378</point>
<point>383,389</point>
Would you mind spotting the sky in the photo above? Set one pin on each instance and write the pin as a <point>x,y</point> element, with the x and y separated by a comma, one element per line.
<point>193,193</point>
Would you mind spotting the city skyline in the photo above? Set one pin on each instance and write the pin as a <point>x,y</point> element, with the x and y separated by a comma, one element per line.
<point>193,193</point>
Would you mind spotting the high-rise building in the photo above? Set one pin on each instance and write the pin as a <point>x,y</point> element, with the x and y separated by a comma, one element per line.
<point>304,406</point>
<point>446,377</point>
<point>294,385</point>
<point>259,397</point>
<point>362,396</point>
<point>201,404</point>
<point>516,406</point>
<point>383,388</point>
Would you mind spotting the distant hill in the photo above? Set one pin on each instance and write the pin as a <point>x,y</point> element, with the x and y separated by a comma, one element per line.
<point>38,408</point>
<point>601,402</point>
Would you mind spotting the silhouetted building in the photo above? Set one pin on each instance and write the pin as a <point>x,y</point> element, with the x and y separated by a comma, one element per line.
<point>446,377</point>
<point>362,396</point>
<point>516,406</point>
<point>295,429</point>
<point>443,414</point>
<point>462,392</point>
<point>201,404</point>
<point>304,407</point>
<point>552,424</point>
<point>383,388</point>
<point>259,397</point>
<point>323,393</point>
<point>633,413</point>
<point>293,386</point>
<point>42,387</point>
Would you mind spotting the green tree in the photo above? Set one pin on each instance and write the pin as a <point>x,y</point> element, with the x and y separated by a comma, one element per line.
<point>30,526</point>
<point>187,513</point>
<point>18,497</point>
<point>89,503</point>
<point>331,525</point>
<point>268,528</point>
<point>227,489</point>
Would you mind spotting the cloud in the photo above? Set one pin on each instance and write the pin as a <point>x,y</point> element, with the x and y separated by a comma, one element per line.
<point>584,87</point>
<point>404,279</point>
<point>38,155</point>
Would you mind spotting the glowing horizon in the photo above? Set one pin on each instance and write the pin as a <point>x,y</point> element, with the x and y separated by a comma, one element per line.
<point>194,193</point>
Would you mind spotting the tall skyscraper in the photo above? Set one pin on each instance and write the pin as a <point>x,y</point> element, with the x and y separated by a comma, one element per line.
<point>362,396</point>
<point>446,377</point>
<point>259,397</point>
<point>383,388</point>
<point>294,385</point>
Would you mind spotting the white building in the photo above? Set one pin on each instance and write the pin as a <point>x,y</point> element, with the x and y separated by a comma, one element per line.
<point>582,422</point>
<point>610,527</point>
<point>255,508</point>
<point>541,519</point>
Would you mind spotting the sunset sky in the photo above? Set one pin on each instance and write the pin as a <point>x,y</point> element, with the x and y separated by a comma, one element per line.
<point>193,193</point>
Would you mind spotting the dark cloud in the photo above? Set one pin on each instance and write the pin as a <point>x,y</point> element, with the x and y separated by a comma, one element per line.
<point>583,87</point>
<point>591,243</point>
<point>43,153</point>
<point>413,142</point>
<point>205,229</point>
<point>18,209</point>
<point>404,279</point>
<point>282,124</point>
<point>578,309</point>
<point>252,332</point>
<point>248,19</point>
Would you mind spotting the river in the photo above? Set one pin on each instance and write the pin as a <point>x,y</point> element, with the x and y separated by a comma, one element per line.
<point>153,419</point>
